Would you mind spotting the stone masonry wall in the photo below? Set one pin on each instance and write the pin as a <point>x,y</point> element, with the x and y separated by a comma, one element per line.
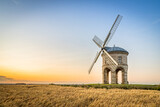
<point>123,66</point>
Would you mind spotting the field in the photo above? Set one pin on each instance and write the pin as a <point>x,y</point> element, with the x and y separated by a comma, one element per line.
<point>60,96</point>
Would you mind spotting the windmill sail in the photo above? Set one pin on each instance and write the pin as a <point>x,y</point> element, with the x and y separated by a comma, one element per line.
<point>110,60</point>
<point>98,41</point>
<point>95,59</point>
<point>112,30</point>
<point>102,44</point>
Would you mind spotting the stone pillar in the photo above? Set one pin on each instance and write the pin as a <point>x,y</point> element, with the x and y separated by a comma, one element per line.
<point>116,77</point>
<point>124,76</point>
<point>105,76</point>
<point>113,77</point>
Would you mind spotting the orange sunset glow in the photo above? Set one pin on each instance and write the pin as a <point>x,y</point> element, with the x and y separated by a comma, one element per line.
<point>52,42</point>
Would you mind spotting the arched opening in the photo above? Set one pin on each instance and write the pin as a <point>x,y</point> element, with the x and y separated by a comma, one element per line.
<point>107,76</point>
<point>120,76</point>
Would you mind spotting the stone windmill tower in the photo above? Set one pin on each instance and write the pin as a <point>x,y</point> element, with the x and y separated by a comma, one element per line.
<point>114,58</point>
<point>120,56</point>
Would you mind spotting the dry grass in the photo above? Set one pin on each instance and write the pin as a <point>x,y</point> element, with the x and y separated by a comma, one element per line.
<point>52,96</point>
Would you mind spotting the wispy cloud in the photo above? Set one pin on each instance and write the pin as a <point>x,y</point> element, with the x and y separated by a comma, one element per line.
<point>156,21</point>
<point>5,79</point>
<point>15,2</point>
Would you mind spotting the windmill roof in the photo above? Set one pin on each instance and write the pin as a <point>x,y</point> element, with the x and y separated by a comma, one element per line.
<point>115,49</point>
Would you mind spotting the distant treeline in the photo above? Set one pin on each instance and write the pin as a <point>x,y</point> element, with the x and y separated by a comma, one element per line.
<point>112,86</point>
<point>13,84</point>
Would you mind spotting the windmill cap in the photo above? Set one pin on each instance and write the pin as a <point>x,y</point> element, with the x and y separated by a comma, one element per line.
<point>115,49</point>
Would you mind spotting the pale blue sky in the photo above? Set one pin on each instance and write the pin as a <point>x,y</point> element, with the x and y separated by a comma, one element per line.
<point>52,36</point>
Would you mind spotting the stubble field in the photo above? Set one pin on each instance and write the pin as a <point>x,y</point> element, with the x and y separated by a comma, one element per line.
<point>60,96</point>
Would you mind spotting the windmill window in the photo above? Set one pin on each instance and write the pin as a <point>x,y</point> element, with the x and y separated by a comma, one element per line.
<point>119,59</point>
<point>106,61</point>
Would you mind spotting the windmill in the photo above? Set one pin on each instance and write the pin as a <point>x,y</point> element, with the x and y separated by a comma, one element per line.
<point>113,64</point>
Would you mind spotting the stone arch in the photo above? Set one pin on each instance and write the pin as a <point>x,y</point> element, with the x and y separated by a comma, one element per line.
<point>122,75</point>
<point>106,72</point>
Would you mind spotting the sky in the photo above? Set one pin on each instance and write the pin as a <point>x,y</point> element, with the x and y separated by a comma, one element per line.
<point>51,41</point>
